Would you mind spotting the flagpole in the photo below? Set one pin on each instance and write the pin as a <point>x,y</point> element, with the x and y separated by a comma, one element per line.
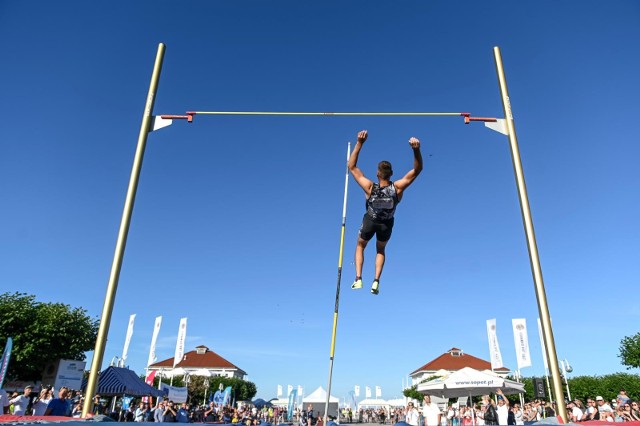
<point>337,302</point>
<point>114,276</point>
<point>534,258</point>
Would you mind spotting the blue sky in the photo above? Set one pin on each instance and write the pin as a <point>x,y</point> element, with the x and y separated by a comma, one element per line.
<point>237,220</point>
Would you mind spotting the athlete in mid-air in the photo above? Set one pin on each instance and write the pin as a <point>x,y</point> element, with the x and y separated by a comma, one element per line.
<point>382,199</point>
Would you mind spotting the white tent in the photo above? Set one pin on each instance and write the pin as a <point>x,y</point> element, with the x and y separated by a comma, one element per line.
<point>318,400</point>
<point>397,402</point>
<point>469,382</point>
<point>373,403</point>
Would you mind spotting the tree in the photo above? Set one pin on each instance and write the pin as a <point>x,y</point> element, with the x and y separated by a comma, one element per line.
<point>630,351</point>
<point>242,390</point>
<point>42,333</point>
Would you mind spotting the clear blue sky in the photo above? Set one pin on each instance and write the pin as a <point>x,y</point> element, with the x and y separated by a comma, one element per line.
<point>237,221</point>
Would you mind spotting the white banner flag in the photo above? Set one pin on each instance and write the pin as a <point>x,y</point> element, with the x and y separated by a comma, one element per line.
<point>378,392</point>
<point>289,389</point>
<point>356,390</point>
<point>521,340</point>
<point>279,391</point>
<point>542,345</point>
<point>152,350</point>
<point>127,340</point>
<point>182,335</point>
<point>367,392</point>
<point>300,391</point>
<point>494,347</point>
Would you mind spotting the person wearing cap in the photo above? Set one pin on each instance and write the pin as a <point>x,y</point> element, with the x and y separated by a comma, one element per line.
<point>21,402</point>
<point>382,198</point>
<point>604,409</point>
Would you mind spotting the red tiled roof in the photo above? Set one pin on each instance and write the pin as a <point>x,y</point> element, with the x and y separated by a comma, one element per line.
<point>192,359</point>
<point>450,362</point>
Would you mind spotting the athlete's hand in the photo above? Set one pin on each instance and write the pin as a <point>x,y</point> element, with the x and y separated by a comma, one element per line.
<point>362,136</point>
<point>415,143</point>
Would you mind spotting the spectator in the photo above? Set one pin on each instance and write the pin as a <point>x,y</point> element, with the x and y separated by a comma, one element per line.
<point>635,413</point>
<point>158,413</point>
<point>622,398</point>
<point>22,402</point>
<point>41,402</point>
<point>169,415</point>
<point>59,406</point>
<point>183,414</point>
<point>575,413</point>
<point>591,412</point>
<point>76,413</point>
<point>490,413</point>
<point>605,410</point>
<point>430,412</point>
<point>4,402</point>
<point>518,414</point>
<point>503,408</point>
<point>140,412</point>
<point>411,415</point>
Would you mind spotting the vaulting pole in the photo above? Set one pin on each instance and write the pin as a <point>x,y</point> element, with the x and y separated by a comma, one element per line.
<point>335,312</point>
<point>534,259</point>
<point>107,310</point>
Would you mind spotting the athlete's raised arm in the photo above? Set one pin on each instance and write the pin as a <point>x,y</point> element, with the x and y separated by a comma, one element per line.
<point>357,174</point>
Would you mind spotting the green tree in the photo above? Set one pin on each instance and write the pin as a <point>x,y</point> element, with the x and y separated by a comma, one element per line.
<point>43,332</point>
<point>242,390</point>
<point>412,392</point>
<point>630,351</point>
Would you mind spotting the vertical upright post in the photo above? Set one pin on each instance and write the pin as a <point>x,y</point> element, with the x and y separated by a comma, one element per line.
<point>121,242</point>
<point>335,312</point>
<point>536,269</point>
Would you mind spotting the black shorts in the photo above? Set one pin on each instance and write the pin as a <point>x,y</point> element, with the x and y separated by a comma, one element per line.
<point>382,230</point>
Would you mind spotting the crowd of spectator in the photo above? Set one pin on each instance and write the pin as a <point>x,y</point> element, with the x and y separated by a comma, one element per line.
<point>500,411</point>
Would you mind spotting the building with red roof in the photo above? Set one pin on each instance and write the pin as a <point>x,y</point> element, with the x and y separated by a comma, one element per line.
<point>198,360</point>
<point>452,360</point>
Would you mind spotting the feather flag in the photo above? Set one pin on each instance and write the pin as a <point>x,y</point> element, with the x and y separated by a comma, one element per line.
<point>154,337</point>
<point>182,335</point>
<point>4,363</point>
<point>494,347</point>
<point>521,340</point>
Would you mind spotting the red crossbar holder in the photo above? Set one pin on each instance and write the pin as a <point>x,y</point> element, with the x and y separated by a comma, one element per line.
<point>188,117</point>
<point>468,119</point>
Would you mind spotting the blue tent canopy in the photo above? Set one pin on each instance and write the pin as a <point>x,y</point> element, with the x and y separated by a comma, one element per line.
<point>122,381</point>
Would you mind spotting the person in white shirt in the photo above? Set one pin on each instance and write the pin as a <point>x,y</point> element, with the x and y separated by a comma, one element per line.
<point>576,412</point>
<point>503,408</point>
<point>412,416</point>
<point>430,412</point>
<point>518,414</point>
<point>21,402</point>
<point>40,404</point>
<point>606,412</point>
<point>4,402</point>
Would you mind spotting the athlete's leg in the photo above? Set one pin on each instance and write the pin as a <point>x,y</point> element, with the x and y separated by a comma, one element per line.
<point>367,232</point>
<point>359,257</point>
<point>380,257</point>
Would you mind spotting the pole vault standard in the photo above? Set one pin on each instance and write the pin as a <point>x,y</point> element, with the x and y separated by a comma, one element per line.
<point>149,123</point>
<point>534,259</point>
<point>335,312</point>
